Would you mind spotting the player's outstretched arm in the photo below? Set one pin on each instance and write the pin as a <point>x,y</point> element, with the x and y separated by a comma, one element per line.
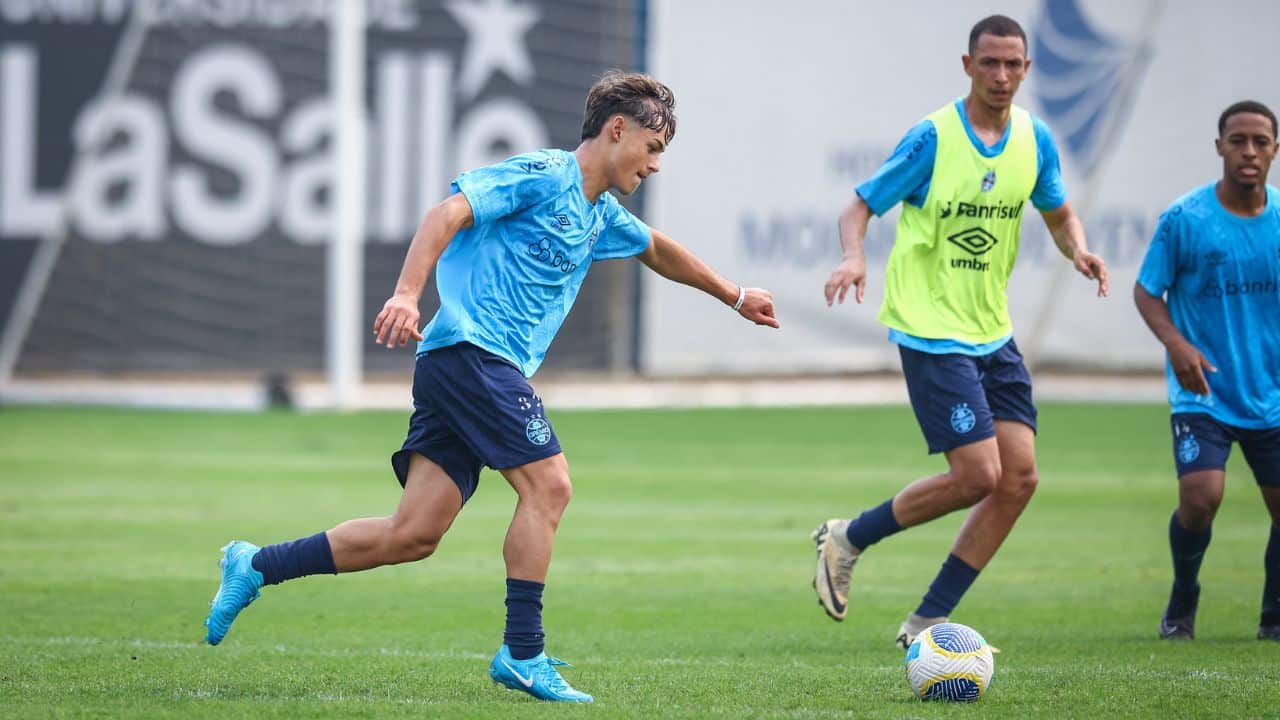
<point>397,323</point>
<point>1068,234</point>
<point>852,270</point>
<point>1188,363</point>
<point>673,261</point>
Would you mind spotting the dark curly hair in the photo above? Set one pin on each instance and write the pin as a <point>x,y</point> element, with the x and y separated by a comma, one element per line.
<point>635,95</point>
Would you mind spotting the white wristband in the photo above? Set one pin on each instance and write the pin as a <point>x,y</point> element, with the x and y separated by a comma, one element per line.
<point>742,295</point>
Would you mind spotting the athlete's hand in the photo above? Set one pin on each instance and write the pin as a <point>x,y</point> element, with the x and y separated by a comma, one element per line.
<point>757,306</point>
<point>398,322</point>
<point>1189,366</point>
<point>1092,267</point>
<point>852,271</point>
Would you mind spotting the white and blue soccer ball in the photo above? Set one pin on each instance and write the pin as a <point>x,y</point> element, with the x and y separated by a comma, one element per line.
<point>949,661</point>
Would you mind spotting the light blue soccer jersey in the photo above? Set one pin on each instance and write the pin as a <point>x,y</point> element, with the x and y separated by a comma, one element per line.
<point>1220,274</point>
<point>907,174</point>
<point>507,282</point>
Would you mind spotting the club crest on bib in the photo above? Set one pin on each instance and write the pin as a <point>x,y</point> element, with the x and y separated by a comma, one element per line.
<point>988,181</point>
<point>1188,449</point>
<point>962,418</point>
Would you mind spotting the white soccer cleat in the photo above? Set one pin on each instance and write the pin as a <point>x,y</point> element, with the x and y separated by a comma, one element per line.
<point>913,626</point>
<point>836,559</point>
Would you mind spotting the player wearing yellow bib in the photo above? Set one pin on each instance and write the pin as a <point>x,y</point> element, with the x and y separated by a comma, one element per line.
<point>964,176</point>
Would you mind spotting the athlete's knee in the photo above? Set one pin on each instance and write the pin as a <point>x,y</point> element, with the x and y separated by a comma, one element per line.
<point>976,479</point>
<point>1019,484</point>
<point>410,544</point>
<point>543,486</point>
<point>1197,510</point>
<point>553,491</point>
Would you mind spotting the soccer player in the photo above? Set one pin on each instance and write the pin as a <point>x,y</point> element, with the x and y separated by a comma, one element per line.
<point>1209,289</point>
<point>510,248</point>
<point>963,175</point>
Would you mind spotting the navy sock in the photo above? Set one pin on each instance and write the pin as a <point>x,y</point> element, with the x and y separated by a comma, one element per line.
<point>948,587</point>
<point>1271,590</point>
<point>1188,552</point>
<point>524,636</point>
<point>873,526</point>
<point>289,560</point>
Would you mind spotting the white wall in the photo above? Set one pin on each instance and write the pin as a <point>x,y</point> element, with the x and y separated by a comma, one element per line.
<point>785,107</point>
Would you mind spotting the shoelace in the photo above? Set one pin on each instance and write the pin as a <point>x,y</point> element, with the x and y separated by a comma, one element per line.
<point>551,676</point>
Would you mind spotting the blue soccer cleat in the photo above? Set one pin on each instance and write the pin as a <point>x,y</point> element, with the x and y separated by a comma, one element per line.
<point>537,676</point>
<point>240,583</point>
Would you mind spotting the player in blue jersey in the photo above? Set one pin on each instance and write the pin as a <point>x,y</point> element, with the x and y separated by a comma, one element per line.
<point>510,248</point>
<point>1209,288</point>
<point>964,176</point>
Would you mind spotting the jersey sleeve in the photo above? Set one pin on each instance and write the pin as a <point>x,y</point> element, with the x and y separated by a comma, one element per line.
<point>1160,265</point>
<point>496,191</point>
<point>905,176</point>
<point>625,235</point>
<point>1050,191</point>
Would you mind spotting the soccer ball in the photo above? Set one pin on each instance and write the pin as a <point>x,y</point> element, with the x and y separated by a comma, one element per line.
<point>949,661</point>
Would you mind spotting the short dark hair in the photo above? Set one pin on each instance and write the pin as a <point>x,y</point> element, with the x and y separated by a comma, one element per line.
<point>634,95</point>
<point>998,25</point>
<point>1246,106</point>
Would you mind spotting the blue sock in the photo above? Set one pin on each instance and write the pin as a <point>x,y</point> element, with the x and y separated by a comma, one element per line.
<point>524,636</point>
<point>873,526</point>
<point>289,560</point>
<point>1187,549</point>
<point>1271,589</point>
<point>948,587</point>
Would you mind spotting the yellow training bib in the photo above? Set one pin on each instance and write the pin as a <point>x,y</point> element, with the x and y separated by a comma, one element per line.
<point>949,269</point>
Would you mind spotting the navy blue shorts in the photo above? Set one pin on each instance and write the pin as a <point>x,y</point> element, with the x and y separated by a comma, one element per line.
<point>472,408</point>
<point>957,398</point>
<point>1200,442</point>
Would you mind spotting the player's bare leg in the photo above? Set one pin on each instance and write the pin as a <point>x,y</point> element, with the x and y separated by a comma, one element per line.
<point>430,503</point>
<point>998,479</point>
<point>974,472</point>
<point>991,519</point>
<point>544,491</point>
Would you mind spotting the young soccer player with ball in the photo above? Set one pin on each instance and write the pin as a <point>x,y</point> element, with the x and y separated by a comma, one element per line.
<point>963,176</point>
<point>510,248</point>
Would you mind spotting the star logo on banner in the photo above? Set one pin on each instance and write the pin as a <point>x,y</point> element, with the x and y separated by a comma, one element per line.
<point>495,41</point>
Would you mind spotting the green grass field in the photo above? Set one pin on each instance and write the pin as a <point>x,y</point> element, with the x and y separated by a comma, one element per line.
<point>680,585</point>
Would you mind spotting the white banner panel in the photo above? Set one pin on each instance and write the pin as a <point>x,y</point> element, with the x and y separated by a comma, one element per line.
<point>785,107</point>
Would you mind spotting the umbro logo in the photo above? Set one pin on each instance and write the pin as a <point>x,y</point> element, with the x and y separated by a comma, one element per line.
<point>974,241</point>
<point>562,220</point>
